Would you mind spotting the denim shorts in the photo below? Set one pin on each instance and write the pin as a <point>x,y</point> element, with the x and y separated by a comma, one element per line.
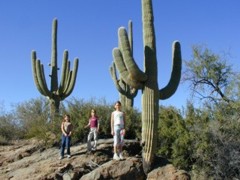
<point>118,135</point>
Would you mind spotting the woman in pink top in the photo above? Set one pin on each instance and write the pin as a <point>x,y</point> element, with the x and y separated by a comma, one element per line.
<point>94,128</point>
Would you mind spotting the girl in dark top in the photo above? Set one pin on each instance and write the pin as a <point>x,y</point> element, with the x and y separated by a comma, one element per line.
<point>66,128</point>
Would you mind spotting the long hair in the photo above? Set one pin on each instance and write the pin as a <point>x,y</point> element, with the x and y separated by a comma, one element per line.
<point>66,115</point>
<point>90,114</point>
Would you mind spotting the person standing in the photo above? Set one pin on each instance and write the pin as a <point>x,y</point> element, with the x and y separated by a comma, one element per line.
<point>93,123</point>
<point>66,128</point>
<point>118,130</point>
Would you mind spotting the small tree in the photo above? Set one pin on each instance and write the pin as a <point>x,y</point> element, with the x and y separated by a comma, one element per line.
<point>210,77</point>
<point>9,129</point>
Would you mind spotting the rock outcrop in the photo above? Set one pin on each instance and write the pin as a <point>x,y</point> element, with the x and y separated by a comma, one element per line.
<point>29,160</point>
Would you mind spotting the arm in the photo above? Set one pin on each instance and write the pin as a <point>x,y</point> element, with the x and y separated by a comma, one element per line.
<point>124,120</point>
<point>87,124</point>
<point>112,123</point>
<point>70,133</point>
<point>98,125</point>
<point>62,129</point>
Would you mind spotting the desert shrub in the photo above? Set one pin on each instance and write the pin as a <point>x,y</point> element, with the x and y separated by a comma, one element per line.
<point>222,160</point>
<point>174,139</point>
<point>3,141</point>
<point>33,118</point>
<point>9,129</point>
<point>133,124</point>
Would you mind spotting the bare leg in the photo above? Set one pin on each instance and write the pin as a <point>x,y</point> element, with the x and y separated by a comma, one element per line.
<point>115,149</point>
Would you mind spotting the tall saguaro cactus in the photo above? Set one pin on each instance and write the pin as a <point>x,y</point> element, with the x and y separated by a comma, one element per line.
<point>147,80</point>
<point>127,93</point>
<point>56,93</point>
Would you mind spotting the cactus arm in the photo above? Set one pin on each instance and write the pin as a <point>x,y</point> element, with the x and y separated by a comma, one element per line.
<point>121,86</point>
<point>115,79</point>
<point>123,71</point>
<point>118,60</point>
<point>130,36</point>
<point>67,83</point>
<point>67,78</point>
<point>171,87</point>
<point>71,80</point>
<point>127,93</point>
<point>41,79</point>
<point>68,70</point>
<point>64,72</point>
<point>35,77</point>
<point>134,71</point>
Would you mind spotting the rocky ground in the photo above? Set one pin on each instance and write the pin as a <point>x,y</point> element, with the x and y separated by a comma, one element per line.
<point>30,160</point>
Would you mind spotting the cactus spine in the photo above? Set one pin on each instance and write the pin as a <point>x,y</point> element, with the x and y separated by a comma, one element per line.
<point>68,77</point>
<point>147,80</point>
<point>127,93</point>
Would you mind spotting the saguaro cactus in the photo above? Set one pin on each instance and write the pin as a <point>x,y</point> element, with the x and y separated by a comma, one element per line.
<point>127,93</point>
<point>147,80</point>
<point>68,77</point>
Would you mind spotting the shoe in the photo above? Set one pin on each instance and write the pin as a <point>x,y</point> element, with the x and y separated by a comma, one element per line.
<point>121,156</point>
<point>68,156</point>
<point>89,150</point>
<point>115,157</point>
<point>61,157</point>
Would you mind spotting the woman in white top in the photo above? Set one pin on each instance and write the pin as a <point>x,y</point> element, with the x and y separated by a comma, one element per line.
<point>118,130</point>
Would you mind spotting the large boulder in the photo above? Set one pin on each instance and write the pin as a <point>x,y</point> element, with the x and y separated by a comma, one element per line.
<point>128,169</point>
<point>168,172</point>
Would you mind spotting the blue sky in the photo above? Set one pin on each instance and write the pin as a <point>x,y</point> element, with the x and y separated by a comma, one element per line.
<point>88,30</point>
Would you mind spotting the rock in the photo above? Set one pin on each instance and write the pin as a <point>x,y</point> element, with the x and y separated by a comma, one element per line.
<point>128,169</point>
<point>168,172</point>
